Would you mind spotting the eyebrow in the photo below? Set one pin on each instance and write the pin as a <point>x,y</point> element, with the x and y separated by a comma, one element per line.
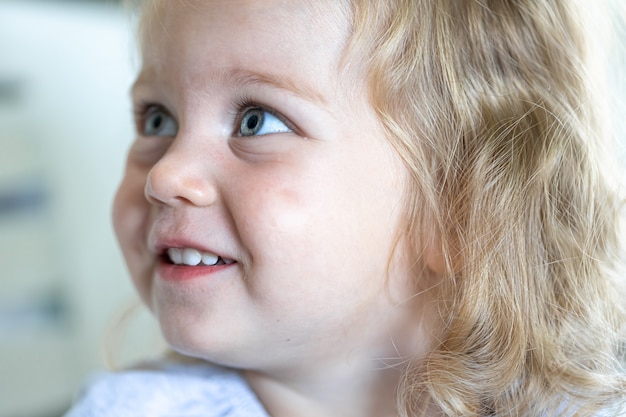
<point>244,77</point>
<point>275,80</point>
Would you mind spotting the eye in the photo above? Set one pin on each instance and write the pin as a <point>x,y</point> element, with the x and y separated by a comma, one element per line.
<point>257,122</point>
<point>158,122</point>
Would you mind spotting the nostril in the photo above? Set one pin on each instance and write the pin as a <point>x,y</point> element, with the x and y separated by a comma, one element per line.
<point>150,196</point>
<point>176,181</point>
<point>164,186</point>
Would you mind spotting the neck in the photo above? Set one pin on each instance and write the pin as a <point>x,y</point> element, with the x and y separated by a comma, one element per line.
<point>356,376</point>
<point>344,390</point>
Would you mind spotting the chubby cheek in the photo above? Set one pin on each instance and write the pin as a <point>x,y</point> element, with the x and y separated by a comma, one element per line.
<point>131,214</point>
<point>276,220</point>
<point>299,232</point>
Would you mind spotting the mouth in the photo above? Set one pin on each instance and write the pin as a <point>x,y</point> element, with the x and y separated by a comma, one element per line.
<point>193,257</point>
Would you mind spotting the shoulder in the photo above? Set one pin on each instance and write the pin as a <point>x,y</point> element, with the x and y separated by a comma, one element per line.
<point>183,390</point>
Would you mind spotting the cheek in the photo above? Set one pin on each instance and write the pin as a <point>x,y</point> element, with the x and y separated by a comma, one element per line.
<point>128,210</point>
<point>280,205</point>
<point>309,226</point>
<point>120,213</point>
<point>130,217</point>
<point>279,222</point>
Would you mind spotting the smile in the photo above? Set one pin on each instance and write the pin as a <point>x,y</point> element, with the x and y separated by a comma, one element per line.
<point>194,257</point>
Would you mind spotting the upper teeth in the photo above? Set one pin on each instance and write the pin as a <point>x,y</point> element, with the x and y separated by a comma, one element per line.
<point>193,257</point>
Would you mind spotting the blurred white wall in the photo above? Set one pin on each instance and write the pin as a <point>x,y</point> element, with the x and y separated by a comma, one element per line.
<point>65,124</point>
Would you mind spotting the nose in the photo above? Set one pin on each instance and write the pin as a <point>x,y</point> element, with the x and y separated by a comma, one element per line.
<point>180,178</point>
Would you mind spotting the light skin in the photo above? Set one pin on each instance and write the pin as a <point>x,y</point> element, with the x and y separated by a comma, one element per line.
<point>308,298</point>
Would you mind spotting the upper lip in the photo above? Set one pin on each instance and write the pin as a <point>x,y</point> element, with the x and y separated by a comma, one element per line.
<point>160,242</point>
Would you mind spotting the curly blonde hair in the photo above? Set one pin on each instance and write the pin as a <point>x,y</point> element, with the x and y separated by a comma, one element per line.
<point>491,105</point>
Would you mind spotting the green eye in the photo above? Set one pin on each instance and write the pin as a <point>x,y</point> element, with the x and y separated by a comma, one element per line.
<point>258,122</point>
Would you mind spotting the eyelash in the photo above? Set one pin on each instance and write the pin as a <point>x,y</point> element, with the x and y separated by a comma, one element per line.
<point>143,110</point>
<point>244,104</point>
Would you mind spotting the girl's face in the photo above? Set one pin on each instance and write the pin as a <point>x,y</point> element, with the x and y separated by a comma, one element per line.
<point>261,202</point>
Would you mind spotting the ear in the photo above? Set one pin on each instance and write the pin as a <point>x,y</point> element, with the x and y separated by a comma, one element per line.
<point>438,258</point>
<point>433,256</point>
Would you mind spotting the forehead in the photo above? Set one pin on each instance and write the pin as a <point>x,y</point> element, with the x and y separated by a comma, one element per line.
<point>260,7</point>
<point>285,29</point>
<point>311,15</point>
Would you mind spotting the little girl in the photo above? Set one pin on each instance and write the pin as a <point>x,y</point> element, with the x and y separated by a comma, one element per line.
<point>369,208</point>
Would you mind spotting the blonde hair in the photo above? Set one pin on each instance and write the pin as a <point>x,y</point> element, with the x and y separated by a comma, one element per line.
<point>491,106</point>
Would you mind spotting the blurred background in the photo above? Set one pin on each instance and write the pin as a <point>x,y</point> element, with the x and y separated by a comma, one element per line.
<point>65,124</point>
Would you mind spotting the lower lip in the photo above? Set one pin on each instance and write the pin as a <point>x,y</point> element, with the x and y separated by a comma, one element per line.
<point>181,273</point>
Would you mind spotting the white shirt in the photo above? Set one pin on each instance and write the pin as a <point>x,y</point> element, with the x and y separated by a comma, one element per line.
<point>171,390</point>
